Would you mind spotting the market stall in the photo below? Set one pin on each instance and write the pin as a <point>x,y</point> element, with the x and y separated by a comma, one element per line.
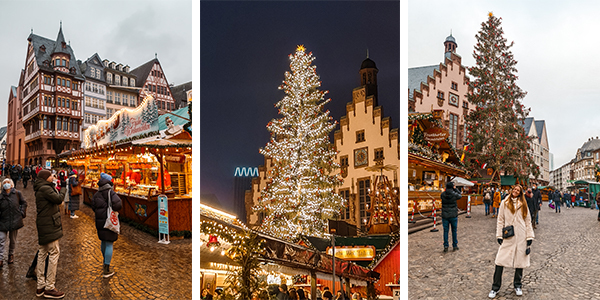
<point>147,156</point>
<point>432,161</point>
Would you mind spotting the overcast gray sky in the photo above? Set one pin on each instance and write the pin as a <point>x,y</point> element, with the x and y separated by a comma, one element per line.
<point>556,46</point>
<point>128,32</point>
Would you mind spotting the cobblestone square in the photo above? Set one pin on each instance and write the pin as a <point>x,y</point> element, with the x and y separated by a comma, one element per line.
<point>565,263</point>
<point>144,268</point>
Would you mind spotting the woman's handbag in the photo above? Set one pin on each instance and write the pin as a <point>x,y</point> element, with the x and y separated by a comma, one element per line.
<point>75,190</point>
<point>508,231</point>
<point>112,218</point>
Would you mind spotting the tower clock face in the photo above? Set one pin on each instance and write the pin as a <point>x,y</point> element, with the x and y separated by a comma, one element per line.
<point>453,99</point>
<point>361,157</point>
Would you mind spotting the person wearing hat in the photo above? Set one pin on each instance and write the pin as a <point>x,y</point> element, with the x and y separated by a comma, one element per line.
<point>450,214</point>
<point>49,228</point>
<point>73,199</point>
<point>100,207</point>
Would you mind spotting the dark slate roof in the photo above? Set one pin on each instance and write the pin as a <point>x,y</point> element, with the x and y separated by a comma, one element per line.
<point>14,90</point>
<point>527,124</point>
<point>179,93</point>
<point>2,132</point>
<point>539,126</point>
<point>368,63</point>
<point>142,72</point>
<point>60,39</point>
<point>40,56</point>
<point>591,145</point>
<point>418,75</point>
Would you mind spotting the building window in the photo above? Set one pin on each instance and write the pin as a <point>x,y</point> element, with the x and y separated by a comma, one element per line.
<point>345,213</point>
<point>117,98</point>
<point>98,74</point>
<point>132,82</point>
<point>92,72</point>
<point>117,80</point>
<point>109,99</point>
<point>378,153</point>
<point>65,124</point>
<point>364,200</point>
<point>465,104</point>
<point>344,161</point>
<point>64,63</point>
<point>453,129</point>
<point>454,86</point>
<point>440,95</point>
<point>125,81</point>
<point>360,136</point>
<point>58,123</point>
<point>109,78</point>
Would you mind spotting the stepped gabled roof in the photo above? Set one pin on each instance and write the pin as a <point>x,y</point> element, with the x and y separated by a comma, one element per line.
<point>418,75</point>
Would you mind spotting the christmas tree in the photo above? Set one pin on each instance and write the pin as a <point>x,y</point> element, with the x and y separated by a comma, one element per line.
<point>124,122</point>
<point>299,197</point>
<point>497,140</point>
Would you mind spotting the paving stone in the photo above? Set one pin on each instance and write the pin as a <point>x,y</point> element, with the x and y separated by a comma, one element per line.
<point>564,259</point>
<point>144,268</point>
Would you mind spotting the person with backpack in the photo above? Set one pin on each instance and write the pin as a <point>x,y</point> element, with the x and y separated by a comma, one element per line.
<point>74,192</point>
<point>487,200</point>
<point>14,174</point>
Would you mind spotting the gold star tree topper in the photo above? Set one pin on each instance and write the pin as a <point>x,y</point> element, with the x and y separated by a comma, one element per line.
<point>300,48</point>
<point>490,14</point>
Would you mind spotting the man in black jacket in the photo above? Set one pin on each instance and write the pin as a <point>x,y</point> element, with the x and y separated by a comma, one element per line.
<point>537,199</point>
<point>450,214</point>
<point>49,228</point>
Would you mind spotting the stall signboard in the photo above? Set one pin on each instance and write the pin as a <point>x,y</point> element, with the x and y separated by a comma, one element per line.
<point>353,253</point>
<point>125,123</point>
<point>163,219</point>
<point>175,158</point>
<point>435,135</point>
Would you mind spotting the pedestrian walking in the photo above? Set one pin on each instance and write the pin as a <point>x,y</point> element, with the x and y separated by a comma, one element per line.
<point>598,199</point>
<point>537,197</point>
<point>514,234</point>
<point>556,199</point>
<point>531,205</point>
<point>567,199</point>
<point>13,208</point>
<point>49,227</point>
<point>100,204</point>
<point>26,176</point>
<point>74,192</point>
<point>450,214</point>
<point>14,174</point>
<point>33,174</point>
<point>487,200</point>
<point>496,204</point>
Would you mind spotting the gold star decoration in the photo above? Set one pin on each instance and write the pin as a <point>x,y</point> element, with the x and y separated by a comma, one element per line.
<point>491,14</point>
<point>300,48</point>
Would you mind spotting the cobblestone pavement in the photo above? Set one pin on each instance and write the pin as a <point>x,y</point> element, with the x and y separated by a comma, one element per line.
<point>565,259</point>
<point>144,268</point>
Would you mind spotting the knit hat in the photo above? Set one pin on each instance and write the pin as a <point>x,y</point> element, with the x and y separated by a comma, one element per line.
<point>105,176</point>
<point>450,185</point>
<point>44,174</point>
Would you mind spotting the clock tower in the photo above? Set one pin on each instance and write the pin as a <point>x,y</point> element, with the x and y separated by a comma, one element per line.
<point>368,77</point>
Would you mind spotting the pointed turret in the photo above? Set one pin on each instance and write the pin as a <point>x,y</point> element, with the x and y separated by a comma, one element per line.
<point>60,46</point>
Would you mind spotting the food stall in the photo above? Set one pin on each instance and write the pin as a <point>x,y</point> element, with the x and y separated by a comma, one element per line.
<point>147,156</point>
<point>432,162</point>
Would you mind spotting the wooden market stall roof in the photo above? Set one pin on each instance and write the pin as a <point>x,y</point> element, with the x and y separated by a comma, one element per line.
<point>296,256</point>
<point>444,156</point>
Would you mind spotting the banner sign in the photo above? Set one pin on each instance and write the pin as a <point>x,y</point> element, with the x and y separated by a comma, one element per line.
<point>125,123</point>
<point>435,135</point>
<point>353,253</point>
<point>163,214</point>
<point>175,158</point>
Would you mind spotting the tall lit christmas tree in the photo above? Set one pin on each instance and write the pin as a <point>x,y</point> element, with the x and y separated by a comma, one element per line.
<point>497,140</point>
<point>299,197</point>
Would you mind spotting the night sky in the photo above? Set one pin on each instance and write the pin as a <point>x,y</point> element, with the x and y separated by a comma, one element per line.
<point>244,55</point>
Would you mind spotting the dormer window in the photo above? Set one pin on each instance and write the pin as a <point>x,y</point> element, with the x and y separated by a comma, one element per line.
<point>43,48</point>
<point>109,78</point>
<point>125,83</point>
<point>127,69</point>
<point>132,82</point>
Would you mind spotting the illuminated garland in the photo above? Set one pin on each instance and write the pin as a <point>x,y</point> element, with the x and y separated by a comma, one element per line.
<point>381,253</point>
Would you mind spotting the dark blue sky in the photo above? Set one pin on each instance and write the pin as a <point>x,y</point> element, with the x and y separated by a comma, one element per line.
<point>244,48</point>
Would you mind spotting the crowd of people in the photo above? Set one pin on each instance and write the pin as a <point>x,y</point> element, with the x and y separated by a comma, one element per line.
<point>51,190</point>
<point>282,292</point>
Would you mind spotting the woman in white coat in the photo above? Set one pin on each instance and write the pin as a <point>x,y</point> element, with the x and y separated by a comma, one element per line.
<point>514,250</point>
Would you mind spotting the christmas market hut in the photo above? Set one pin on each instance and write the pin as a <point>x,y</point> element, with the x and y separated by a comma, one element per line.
<point>224,240</point>
<point>432,161</point>
<point>147,155</point>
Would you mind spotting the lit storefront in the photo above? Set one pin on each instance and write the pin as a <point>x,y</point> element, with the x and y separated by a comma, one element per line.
<point>147,155</point>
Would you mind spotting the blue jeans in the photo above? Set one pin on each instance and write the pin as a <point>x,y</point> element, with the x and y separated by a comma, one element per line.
<point>446,223</point>
<point>487,208</point>
<point>557,206</point>
<point>107,251</point>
